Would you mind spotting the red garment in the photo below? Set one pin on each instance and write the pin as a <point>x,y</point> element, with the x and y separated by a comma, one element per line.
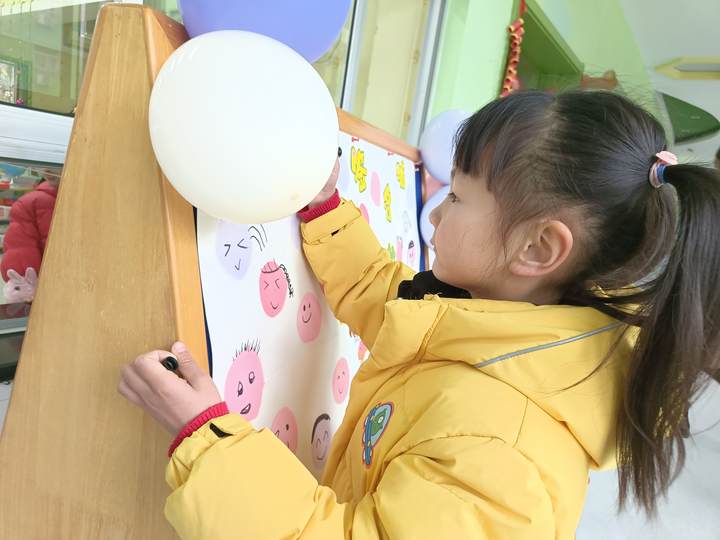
<point>27,233</point>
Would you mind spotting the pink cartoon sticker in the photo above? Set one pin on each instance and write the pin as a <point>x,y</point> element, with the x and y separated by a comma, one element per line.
<point>245,382</point>
<point>285,428</point>
<point>364,212</point>
<point>341,381</point>
<point>411,255</point>
<point>275,287</point>
<point>375,189</point>
<point>309,318</point>
<point>399,249</point>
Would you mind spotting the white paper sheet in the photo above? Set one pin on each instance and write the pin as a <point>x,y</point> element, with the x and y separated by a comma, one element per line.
<point>278,355</point>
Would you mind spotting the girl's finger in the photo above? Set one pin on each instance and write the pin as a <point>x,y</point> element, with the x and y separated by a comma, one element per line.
<point>188,368</point>
<point>128,393</point>
<point>149,367</point>
<point>134,381</point>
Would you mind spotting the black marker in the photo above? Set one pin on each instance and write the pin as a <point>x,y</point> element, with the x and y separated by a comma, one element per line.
<point>170,363</point>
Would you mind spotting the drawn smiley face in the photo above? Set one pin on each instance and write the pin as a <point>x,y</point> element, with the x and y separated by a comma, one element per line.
<point>320,440</point>
<point>284,426</point>
<point>309,318</point>
<point>245,383</point>
<point>274,283</point>
<point>341,381</point>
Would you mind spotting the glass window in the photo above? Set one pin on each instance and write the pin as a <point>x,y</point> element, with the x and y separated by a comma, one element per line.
<point>390,48</point>
<point>331,66</point>
<point>44,45</point>
<point>23,231</point>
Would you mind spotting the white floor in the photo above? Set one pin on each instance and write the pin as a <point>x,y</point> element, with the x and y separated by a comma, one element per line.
<point>692,511</point>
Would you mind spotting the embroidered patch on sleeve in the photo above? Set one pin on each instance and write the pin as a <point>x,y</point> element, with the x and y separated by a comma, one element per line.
<point>375,424</point>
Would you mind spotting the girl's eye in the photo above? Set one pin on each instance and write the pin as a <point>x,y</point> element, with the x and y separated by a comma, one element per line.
<point>239,388</point>
<point>251,377</point>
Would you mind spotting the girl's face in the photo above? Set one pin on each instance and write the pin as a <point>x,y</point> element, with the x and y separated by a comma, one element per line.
<point>468,252</point>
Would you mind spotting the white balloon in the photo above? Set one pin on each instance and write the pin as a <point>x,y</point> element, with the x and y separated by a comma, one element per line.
<point>426,228</point>
<point>243,126</point>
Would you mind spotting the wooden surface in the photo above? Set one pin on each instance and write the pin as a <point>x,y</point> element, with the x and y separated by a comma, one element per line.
<point>120,276</point>
<point>354,126</point>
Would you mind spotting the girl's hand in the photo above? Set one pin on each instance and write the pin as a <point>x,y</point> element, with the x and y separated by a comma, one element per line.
<point>329,188</point>
<point>172,401</point>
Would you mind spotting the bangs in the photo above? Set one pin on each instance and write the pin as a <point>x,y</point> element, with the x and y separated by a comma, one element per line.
<point>501,139</point>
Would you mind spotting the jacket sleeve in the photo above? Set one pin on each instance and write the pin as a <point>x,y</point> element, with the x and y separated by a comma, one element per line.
<point>249,485</point>
<point>357,274</point>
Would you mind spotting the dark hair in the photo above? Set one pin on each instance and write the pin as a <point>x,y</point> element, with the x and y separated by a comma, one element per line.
<point>717,154</point>
<point>652,252</point>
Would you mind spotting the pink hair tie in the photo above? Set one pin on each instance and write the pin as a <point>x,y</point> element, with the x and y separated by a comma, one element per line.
<point>657,171</point>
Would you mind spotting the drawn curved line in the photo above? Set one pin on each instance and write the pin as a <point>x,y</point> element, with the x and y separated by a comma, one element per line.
<point>261,246</point>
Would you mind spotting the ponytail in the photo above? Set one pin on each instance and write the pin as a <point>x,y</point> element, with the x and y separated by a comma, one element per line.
<point>679,335</point>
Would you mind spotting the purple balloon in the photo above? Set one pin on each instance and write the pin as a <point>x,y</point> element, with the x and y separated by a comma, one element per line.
<point>309,27</point>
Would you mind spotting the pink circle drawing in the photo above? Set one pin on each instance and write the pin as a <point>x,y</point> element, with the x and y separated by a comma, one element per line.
<point>362,352</point>
<point>309,318</point>
<point>320,440</point>
<point>234,247</point>
<point>285,428</point>
<point>375,188</point>
<point>245,382</point>
<point>341,381</point>
<point>274,285</point>
<point>364,212</point>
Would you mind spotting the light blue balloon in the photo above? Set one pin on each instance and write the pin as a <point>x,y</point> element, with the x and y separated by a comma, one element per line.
<point>426,228</point>
<point>436,143</point>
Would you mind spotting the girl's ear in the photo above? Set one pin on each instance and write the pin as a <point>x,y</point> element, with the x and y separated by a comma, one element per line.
<point>546,248</point>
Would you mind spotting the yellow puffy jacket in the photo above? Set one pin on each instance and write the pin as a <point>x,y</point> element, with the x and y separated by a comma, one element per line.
<point>470,419</point>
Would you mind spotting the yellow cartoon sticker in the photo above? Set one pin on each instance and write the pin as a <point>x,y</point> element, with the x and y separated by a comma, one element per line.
<point>357,166</point>
<point>387,199</point>
<point>400,173</point>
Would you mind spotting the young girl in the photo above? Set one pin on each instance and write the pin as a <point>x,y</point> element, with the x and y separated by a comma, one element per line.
<point>571,310</point>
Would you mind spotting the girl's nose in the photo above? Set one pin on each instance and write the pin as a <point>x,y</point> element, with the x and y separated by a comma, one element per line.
<point>434,216</point>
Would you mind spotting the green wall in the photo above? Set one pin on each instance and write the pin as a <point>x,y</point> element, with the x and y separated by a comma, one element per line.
<point>471,58</point>
<point>474,40</point>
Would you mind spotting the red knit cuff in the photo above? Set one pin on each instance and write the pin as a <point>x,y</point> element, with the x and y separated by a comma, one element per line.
<point>308,214</point>
<point>219,409</point>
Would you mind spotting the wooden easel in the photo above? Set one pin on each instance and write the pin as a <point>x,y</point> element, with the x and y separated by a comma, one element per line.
<point>120,276</point>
